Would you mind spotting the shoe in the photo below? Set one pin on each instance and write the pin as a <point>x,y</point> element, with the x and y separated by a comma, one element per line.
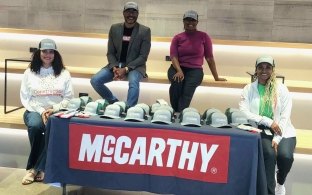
<point>29,178</point>
<point>40,176</point>
<point>280,189</point>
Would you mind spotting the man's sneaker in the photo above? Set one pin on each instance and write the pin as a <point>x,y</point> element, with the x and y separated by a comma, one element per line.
<point>280,189</point>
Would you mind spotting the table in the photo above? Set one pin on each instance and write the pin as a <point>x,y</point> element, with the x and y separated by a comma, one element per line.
<point>6,82</point>
<point>245,169</point>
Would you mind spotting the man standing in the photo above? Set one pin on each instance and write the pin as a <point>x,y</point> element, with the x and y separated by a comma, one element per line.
<point>128,47</point>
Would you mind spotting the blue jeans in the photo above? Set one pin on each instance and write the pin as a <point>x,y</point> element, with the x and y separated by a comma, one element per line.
<point>106,75</point>
<point>36,134</point>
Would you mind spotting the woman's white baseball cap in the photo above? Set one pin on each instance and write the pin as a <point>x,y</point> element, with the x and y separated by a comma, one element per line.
<point>265,59</point>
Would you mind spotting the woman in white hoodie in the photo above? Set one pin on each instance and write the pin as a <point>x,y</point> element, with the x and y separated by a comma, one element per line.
<point>46,88</point>
<point>268,103</point>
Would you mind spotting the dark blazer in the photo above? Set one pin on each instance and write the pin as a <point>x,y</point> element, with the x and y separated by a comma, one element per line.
<point>138,49</point>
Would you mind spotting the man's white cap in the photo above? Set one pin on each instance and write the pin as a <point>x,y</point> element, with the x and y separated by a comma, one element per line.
<point>131,5</point>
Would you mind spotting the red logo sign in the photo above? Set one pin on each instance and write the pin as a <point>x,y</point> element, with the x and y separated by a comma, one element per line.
<point>159,152</point>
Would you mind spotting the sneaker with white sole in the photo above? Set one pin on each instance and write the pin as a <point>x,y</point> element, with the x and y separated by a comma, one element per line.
<point>280,189</point>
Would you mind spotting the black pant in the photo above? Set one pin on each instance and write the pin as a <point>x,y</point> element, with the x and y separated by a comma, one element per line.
<point>284,160</point>
<point>181,93</point>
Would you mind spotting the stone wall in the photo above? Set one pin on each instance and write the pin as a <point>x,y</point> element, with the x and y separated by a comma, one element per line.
<point>258,20</point>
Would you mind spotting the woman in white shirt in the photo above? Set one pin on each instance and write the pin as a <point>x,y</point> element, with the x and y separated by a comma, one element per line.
<point>269,104</point>
<point>46,88</point>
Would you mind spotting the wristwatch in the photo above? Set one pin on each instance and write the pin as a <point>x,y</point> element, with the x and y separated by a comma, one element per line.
<point>127,70</point>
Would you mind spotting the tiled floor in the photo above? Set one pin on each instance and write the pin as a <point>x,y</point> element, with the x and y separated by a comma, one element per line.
<point>10,184</point>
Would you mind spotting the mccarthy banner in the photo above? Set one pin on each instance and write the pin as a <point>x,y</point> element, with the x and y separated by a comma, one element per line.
<point>159,152</point>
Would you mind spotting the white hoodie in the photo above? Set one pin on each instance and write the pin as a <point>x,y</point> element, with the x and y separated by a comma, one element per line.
<point>250,104</point>
<point>42,91</point>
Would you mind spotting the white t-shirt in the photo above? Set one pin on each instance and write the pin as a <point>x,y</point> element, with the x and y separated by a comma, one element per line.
<point>42,91</point>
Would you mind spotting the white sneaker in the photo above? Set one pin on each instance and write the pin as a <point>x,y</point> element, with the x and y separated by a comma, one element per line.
<point>280,189</point>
